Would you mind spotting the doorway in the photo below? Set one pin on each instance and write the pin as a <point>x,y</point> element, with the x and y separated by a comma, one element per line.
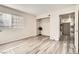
<point>67,30</point>
<point>43,23</point>
<point>67,27</point>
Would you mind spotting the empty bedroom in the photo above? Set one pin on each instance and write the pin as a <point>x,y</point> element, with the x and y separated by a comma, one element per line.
<point>39,28</point>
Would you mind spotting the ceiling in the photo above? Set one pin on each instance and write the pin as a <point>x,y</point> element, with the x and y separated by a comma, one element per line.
<point>37,9</point>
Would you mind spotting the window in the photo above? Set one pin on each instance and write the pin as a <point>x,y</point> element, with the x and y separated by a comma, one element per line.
<point>11,21</point>
<point>17,21</point>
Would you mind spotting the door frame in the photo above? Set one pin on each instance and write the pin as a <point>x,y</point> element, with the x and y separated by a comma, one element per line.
<point>60,24</point>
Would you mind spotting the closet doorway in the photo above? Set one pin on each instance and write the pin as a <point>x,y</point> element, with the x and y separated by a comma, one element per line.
<point>43,26</point>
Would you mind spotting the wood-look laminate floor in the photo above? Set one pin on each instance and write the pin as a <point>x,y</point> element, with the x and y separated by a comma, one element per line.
<point>38,45</point>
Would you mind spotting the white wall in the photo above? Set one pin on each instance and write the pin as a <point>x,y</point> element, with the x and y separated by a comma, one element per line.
<point>54,26</point>
<point>29,29</point>
<point>45,24</point>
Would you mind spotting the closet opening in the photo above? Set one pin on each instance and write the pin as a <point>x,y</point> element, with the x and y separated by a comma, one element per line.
<point>43,26</point>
